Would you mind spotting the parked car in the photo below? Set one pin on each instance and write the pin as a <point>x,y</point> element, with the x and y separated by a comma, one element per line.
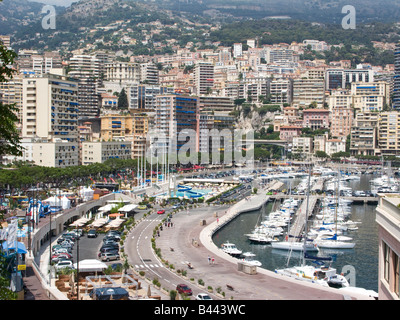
<point>108,250</point>
<point>61,256</point>
<point>183,288</point>
<point>113,234</point>
<point>92,233</point>
<point>110,238</point>
<point>110,245</point>
<point>107,256</point>
<point>66,244</point>
<point>64,264</point>
<point>160,211</point>
<point>62,250</point>
<point>110,241</point>
<point>203,296</point>
<point>142,207</point>
<point>70,235</point>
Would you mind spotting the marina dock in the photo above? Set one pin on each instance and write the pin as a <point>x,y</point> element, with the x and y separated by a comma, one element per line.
<point>298,226</point>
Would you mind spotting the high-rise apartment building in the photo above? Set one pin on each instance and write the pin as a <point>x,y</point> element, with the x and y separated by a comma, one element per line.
<point>86,69</point>
<point>389,133</point>
<point>341,121</point>
<point>174,115</point>
<point>149,73</point>
<point>203,77</point>
<point>50,108</point>
<point>50,117</point>
<point>307,91</point>
<point>280,90</point>
<point>143,96</point>
<point>237,50</point>
<point>396,79</point>
<point>364,134</point>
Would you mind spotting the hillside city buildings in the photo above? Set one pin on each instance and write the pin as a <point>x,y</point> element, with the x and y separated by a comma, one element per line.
<point>70,108</point>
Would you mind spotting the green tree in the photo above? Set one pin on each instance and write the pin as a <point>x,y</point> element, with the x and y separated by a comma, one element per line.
<point>9,137</point>
<point>123,100</point>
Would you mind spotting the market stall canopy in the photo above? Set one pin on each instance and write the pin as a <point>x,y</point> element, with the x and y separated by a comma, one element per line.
<point>90,265</point>
<point>65,203</point>
<point>86,193</point>
<point>21,247</point>
<point>53,201</point>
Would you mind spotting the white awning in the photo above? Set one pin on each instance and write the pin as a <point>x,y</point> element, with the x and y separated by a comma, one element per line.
<point>128,208</point>
<point>90,265</point>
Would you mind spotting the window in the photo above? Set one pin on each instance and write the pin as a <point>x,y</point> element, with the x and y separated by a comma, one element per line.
<point>386,261</point>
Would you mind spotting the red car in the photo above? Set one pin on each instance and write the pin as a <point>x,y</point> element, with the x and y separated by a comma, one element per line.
<point>160,211</point>
<point>183,288</point>
<point>60,256</point>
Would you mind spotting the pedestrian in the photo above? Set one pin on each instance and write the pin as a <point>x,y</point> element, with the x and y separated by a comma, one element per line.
<point>217,220</point>
<point>171,224</point>
<point>209,260</point>
<point>212,260</point>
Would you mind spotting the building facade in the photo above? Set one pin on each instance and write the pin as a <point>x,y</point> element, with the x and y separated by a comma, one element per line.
<point>388,220</point>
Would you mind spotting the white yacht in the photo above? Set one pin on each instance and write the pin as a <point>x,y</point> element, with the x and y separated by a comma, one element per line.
<point>294,246</point>
<point>231,249</point>
<point>249,258</point>
<point>325,276</point>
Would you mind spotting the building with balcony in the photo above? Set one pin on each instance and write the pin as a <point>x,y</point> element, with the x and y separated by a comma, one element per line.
<point>388,220</point>
<point>364,135</point>
<point>389,133</point>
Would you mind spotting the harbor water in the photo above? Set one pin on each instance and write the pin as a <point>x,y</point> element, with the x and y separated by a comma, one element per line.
<point>359,264</point>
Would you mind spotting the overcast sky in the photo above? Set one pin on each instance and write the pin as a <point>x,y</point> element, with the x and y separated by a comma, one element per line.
<point>61,3</point>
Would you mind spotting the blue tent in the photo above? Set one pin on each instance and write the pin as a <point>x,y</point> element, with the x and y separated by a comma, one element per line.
<point>21,247</point>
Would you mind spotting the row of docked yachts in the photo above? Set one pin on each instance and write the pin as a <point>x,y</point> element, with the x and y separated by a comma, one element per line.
<point>268,230</point>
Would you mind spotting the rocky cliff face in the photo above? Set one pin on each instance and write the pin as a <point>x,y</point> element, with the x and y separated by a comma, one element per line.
<point>253,120</point>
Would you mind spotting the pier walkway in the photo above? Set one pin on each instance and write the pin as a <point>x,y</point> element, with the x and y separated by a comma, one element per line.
<point>298,226</point>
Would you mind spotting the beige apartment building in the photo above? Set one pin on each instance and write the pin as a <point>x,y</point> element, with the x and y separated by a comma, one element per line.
<point>307,91</point>
<point>115,126</point>
<point>100,151</point>
<point>389,133</point>
<point>57,153</point>
<point>341,121</point>
<point>303,145</point>
<point>388,220</point>
<point>364,134</point>
<point>11,93</point>
<point>372,96</point>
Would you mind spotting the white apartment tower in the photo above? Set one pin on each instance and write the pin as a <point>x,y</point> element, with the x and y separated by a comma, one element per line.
<point>50,111</point>
<point>204,77</point>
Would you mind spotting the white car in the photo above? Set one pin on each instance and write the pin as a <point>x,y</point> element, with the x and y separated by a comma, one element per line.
<point>203,296</point>
<point>64,264</point>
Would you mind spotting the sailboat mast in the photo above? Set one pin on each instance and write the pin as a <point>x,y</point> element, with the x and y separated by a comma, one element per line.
<point>305,225</point>
<point>337,202</point>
